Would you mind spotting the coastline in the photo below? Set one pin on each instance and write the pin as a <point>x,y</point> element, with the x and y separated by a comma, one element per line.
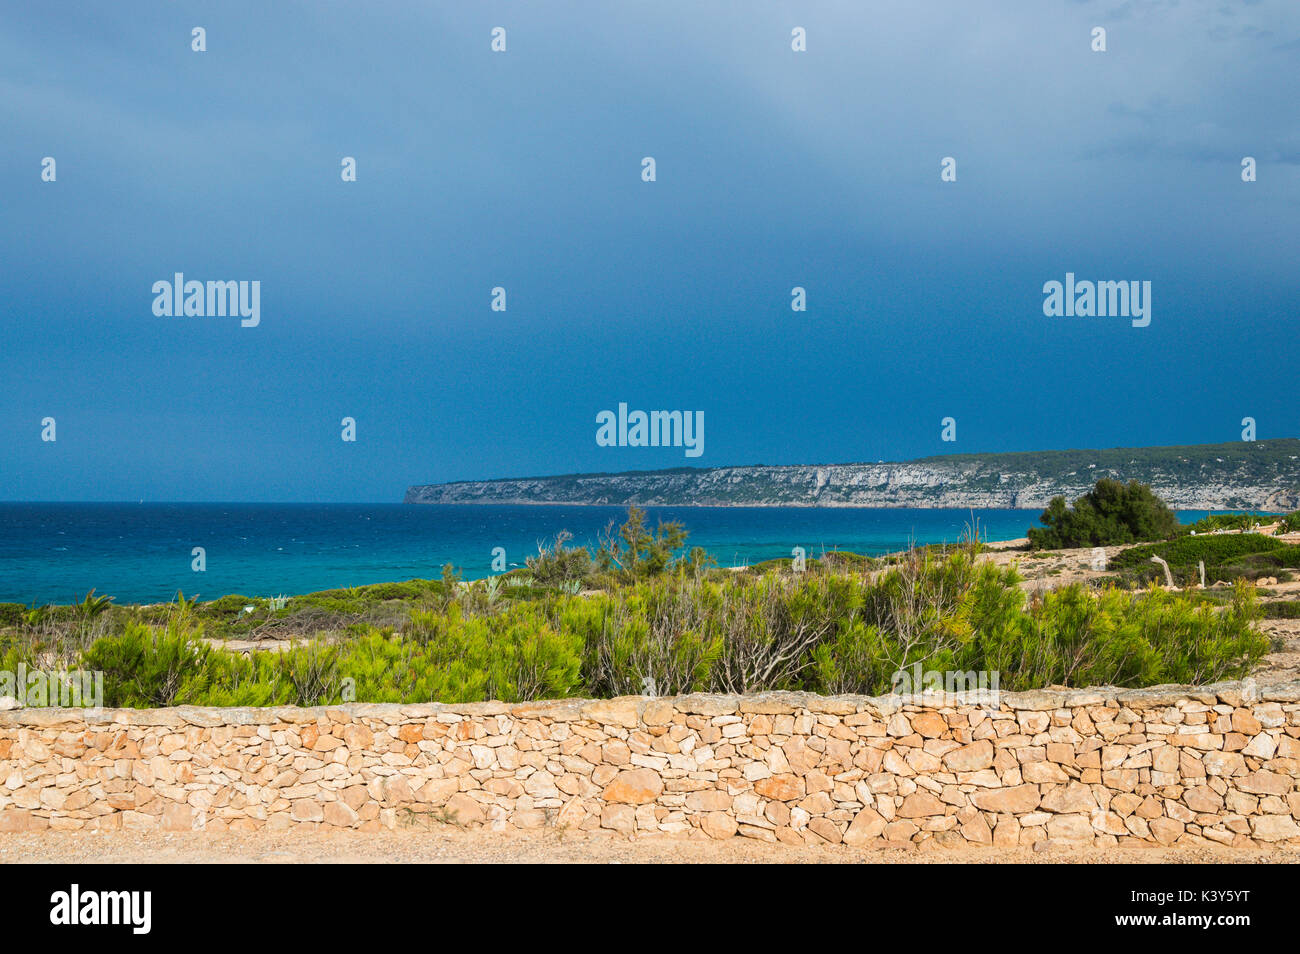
<point>1248,475</point>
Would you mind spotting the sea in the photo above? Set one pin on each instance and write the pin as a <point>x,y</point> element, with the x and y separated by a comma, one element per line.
<point>147,552</point>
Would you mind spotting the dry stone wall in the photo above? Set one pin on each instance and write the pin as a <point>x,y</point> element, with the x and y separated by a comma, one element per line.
<point>1165,766</point>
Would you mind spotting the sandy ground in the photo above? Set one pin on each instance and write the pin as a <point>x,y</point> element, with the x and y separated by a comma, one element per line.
<point>450,845</point>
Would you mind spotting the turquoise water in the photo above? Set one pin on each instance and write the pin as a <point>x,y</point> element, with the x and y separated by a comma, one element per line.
<point>142,552</point>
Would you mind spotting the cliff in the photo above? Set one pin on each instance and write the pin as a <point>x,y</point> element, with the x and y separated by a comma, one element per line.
<point>1260,475</point>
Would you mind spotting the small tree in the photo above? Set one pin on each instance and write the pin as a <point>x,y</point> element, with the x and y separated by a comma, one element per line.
<point>634,551</point>
<point>1111,513</point>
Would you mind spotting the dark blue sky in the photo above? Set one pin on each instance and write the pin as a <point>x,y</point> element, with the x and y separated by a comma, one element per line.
<point>522,169</point>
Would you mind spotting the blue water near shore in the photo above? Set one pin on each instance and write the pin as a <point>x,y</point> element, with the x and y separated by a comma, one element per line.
<point>142,552</point>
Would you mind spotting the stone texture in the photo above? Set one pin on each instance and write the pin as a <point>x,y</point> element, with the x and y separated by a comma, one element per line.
<point>1048,768</point>
<point>970,758</point>
<point>634,787</point>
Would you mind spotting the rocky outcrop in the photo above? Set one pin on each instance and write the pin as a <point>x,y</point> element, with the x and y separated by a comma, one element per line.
<point>1262,475</point>
<point>1199,766</point>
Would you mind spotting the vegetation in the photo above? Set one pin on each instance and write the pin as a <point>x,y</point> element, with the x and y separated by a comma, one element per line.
<point>146,667</point>
<point>1282,609</point>
<point>643,615</point>
<point>1111,513</point>
<point>634,551</point>
<point>559,563</point>
<point>1228,556</point>
<point>1229,521</point>
<point>824,631</point>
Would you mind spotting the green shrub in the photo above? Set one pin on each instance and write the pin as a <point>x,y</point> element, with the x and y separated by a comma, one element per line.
<point>236,679</point>
<point>654,637</point>
<point>513,656</point>
<point>144,667</point>
<point>1077,638</point>
<point>1111,513</point>
<point>634,550</point>
<point>854,661</point>
<point>558,563</point>
<point>14,653</point>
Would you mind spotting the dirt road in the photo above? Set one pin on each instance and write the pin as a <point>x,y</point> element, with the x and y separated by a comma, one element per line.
<point>449,845</point>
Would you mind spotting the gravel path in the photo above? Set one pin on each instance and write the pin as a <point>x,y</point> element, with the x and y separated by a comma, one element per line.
<point>454,846</point>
